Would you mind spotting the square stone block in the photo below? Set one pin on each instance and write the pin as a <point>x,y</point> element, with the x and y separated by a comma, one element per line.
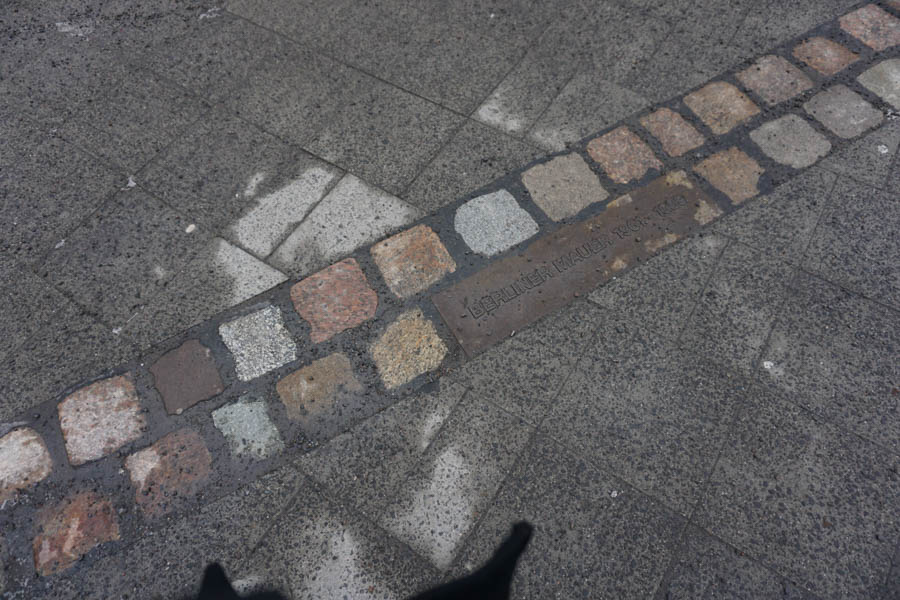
<point>100,418</point>
<point>70,529</point>
<point>408,347</point>
<point>493,223</point>
<point>732,172</point>
<point>24,461</point>
<point>843,111</point>
<point>884,80</point>
<point>259,342</point>
<point>872,26</point>
<point>169,473</point>
<point>791,141</point>
<point>721,106</point>
<point>412,260</point>
<point>623,155</point>
<point>825,56</point>
<point>564,186</point>
<point>334,299</point>
<point>314,388</point>
<point>185,376</point>
<point>248,429</point>
<point>774,79</point>
<point>676,135</point>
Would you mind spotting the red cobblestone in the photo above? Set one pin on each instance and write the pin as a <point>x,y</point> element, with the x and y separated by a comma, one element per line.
<point>412,260</point>
<point>169,473</point>
<point>69,530</point>
<point>872,26</point>
<point>334,299</point>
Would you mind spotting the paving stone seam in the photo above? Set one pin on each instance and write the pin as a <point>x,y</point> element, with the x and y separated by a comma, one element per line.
<point>416,303</point>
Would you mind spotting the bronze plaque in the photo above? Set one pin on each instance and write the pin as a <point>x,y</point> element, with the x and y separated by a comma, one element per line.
<point>515,291</point>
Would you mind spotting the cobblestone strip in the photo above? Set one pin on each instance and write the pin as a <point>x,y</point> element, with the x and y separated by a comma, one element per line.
<point>308,359</point>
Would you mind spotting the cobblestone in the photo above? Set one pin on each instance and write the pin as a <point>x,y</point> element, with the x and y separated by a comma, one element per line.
<point>409,347</point>
<point>70,529</point>
<point>335,299</point>
<point>676,135</point>
<point>493,223</point>
<point>825,56</point>
<point>884,80</point>
<point>185,376</point>
<point>412,260</point>
<point>564,186</point>
<point>843,111</point>
<point>248,429</point>
<point>100,418</point>
<point>24,461</point>
<point>259,342</point>
<point>623,155</point>
<point>721,106</point>
<point>169,473</point>
<point>314,389</point>
<point>791,141</point>
<point>774,79</point>
<point>872,26</point>
<point>732,172</point>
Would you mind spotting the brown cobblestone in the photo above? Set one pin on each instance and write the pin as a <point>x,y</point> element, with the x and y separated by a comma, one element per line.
<point>676,135</point>
<point>623,155</point>
<point>721,106</point>
<point>412,260</point>
<point>170,472</point>
<point>185,376</point>
<point>334,299</point>
<point>774,79</point>
<point>872,26</point>
<point>67,531</point>
<point>733,173</point>
<point>825,56</point>
<point>313,390</point>
<point>100,418</point>
<point>24,461</point>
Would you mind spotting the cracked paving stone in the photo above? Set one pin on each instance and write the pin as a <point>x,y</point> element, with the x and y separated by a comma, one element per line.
<point>493,223</point>
<point>791,141</point>
<point>412,260</point>
<point>185,376</point>
<point>334,299</point>
<point>24,461</point>
<point>774,79</point>
<point>409,347</point>
<point>676,135</point>
<point>825,56</point>
<point>259,342</point>
<point>721,106</point>
<point>623,155</point>
<point>843,111</point>
<point>169,473</point>
<point>70,529</point>
<point>733,173</point>
<point>248,429</point>
<point>100,418</point>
